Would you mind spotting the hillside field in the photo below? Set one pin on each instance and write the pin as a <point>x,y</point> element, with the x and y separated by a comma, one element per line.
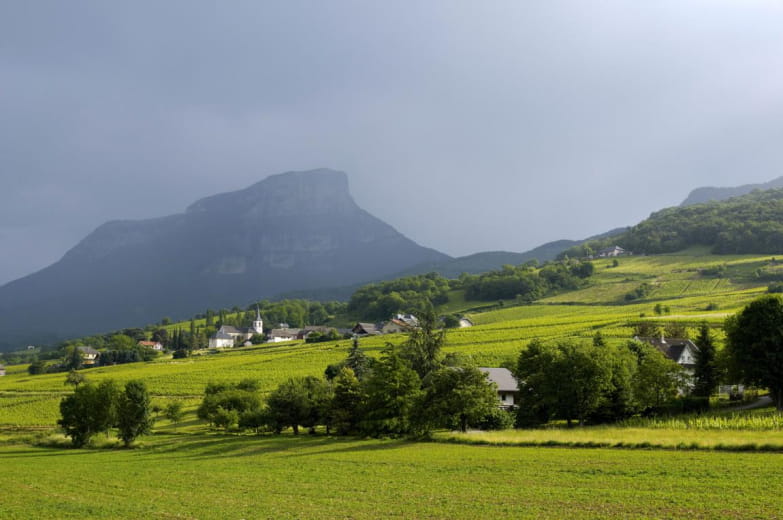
<point>499,335</point>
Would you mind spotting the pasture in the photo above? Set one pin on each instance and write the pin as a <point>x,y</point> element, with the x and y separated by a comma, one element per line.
<point>213,476</point>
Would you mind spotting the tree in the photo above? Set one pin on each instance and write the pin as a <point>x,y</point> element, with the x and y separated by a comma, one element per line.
<point>424,343</point>
<point>347,400</point>
<point>75,378</point>
<point>134,415</point>
<point>567,380</point>
<point>705,373</point>
<point>754,343</point>
<point>37,367</point>
<point>583,374</point>
<point>290,405</point>
<point>657,379</point>
<point>221,398</point>
<point>457,396</point>
<point>392,390</point>
<point>174,412</point>
<point>89,410</point>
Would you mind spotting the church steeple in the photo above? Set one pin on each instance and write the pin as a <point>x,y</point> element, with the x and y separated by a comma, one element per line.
<point>258,323</point>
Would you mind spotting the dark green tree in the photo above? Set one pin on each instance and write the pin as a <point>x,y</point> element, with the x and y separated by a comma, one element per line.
<point>347,401</point>
<point>290,405</point>
<point>75,378</point>
<point>456,397</point>
<point>134,412</point>
<point>754,344</point>
<point>174,412</point>
<point>705,375</point>
<point>88,411</point>
<point>657,380</point>
<point>424,343</point>
<point>393,390</point>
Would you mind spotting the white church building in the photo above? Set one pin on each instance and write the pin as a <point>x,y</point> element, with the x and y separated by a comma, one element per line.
<point>229,336</point>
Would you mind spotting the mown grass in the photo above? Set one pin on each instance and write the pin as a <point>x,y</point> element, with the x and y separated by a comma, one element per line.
<point>213,476</point>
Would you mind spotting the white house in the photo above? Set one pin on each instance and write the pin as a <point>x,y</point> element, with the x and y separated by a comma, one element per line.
<point>611,252</point>
<point>89,355</point>
<point>681,351</point>
<point>2,370</point>
<point>508,390</point>
<point>154,345</point>
<point>280,335</point>
<point>465,322</point>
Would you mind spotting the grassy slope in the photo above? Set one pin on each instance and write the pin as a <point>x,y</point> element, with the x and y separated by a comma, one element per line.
<point>209,476</point>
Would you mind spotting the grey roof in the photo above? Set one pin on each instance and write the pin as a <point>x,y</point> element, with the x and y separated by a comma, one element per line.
<point>88,350</point>
<point>222,335</point>
<point>283,333</point>
<point>672,348</point>
<point>368,328</point>
<point>501,377</point>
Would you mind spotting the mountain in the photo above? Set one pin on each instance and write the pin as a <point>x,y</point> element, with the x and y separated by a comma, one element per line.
<point>707,194</point>
<point>289,232</point>
<point>748,224</point>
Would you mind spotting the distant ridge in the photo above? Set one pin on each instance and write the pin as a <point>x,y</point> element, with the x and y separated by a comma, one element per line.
<point>487,261</point>
<point>709,194</point>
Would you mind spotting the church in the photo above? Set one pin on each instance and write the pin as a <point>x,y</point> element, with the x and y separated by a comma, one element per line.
<point>229,336</point>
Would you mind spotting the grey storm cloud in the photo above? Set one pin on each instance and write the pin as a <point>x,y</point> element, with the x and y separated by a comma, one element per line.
<point>469,126</point>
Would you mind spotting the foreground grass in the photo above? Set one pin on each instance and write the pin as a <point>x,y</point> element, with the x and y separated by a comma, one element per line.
<point>209,476</point>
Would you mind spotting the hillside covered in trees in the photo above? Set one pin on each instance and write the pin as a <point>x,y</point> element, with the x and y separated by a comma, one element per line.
<point>749,224</point>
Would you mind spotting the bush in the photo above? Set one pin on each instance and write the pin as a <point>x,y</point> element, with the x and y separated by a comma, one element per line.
<point>497,419</point>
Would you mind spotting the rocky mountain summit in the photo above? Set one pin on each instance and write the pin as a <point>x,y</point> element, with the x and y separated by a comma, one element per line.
<point>292,231</point>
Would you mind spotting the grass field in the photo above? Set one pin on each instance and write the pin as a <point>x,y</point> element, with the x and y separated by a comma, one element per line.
<point>206,476</point>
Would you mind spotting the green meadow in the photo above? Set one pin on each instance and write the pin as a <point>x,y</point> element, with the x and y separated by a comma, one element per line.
<point>213,476</point>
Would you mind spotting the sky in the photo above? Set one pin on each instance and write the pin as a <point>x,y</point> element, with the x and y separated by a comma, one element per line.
<point>468,126</point>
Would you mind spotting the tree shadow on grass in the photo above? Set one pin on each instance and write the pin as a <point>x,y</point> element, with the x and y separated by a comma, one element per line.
<point>303,446</point>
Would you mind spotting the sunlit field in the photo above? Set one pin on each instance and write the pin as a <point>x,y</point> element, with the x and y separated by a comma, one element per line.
<point>214,476</point>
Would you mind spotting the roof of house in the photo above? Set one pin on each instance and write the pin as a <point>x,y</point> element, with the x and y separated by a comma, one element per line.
<point>283,333</point>
<point>230,329</point>
<point>368,328</point>
<point>88,350</point>
<point>672,348</point>
<point>222,335</point>
<point>502,377</point>
<point>399,323</point>
<point>149,343</point>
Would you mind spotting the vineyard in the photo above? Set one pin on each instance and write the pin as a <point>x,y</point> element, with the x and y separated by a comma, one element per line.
<point>498,337</point>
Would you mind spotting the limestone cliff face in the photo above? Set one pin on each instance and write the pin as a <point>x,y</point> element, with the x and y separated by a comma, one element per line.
<point>289,232</point>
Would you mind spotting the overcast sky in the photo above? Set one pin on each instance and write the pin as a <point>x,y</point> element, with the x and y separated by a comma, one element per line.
<point>468,126</point>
